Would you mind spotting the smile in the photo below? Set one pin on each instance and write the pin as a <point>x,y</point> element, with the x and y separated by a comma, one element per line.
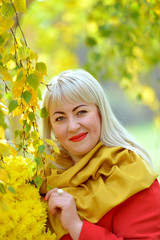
<point>78,137</point>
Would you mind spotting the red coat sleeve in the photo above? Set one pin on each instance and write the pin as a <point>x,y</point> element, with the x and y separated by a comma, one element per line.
<point>94,232</point>
<point>136,218</point>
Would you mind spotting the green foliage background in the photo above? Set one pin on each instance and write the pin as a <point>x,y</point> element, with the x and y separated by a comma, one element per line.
<point>116,40</point>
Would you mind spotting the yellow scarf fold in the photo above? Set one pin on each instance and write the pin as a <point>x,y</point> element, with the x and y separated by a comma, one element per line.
<point>101,180</point>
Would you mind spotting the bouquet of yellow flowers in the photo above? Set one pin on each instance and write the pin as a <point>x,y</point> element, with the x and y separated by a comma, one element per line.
<point>22,213</point>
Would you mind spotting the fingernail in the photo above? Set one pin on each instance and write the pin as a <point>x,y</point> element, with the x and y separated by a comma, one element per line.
<point>44,198</point>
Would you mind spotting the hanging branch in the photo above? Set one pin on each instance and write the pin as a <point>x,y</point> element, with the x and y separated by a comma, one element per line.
<point>18,24</point>
<point>15,42</point>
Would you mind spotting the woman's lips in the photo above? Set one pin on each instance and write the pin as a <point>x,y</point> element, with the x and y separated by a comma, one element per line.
<point>78,137</point>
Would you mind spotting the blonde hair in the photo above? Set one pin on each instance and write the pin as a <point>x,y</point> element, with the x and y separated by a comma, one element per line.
<point>79,85</point>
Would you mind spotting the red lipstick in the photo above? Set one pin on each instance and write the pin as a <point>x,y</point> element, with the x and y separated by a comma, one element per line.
<point>78,137</point>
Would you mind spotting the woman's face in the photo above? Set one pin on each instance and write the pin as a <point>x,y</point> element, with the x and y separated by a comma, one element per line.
<point>77,126</point>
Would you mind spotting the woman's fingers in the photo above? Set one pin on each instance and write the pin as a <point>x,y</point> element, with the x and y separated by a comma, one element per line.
<point>49,193</point>
<point>63,204</point>
<point>55,200</point>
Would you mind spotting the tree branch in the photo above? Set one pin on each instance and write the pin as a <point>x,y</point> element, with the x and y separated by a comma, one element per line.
<point>18,24</point>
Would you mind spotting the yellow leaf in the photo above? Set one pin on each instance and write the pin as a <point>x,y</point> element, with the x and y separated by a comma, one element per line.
<point>56,149</point>
<point>3,107</point>
<point>11,64</point>
<point>35,135</point>
<point>34,97</point>
<point>18,111</point>
<point>50,142</point>
<point>5,73</point>
<point>13,152</point>
<point>2,132</point>
<point>4,147</point>
<point>19,83</point>
<point>20,5</point>
<point>31,149</point>
<point>5,24</point>
<point>19,41</point>
<point>50,157</point>
<point>12,50</point>
<point>32,55</point>
<point>3,175</point>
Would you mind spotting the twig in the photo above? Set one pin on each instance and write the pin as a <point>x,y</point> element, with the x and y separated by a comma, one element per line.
<point>15,42</point>
<point>47,85</point>
<point>6,87</point>
<point>18,24</point>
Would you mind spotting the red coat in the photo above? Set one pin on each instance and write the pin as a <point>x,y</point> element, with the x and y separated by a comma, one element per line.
<point>136,218</point>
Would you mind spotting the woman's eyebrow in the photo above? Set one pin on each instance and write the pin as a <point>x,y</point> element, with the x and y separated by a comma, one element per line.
<point>58,113</point>
<point>82,105</point>
<point>74,109</point>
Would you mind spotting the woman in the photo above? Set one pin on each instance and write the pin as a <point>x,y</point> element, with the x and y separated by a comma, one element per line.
<point>103,187</point>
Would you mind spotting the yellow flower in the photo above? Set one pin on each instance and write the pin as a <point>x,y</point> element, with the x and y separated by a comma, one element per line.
<point>24,215</point>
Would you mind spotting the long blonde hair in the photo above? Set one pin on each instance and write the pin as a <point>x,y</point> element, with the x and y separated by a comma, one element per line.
<point>79,85</point>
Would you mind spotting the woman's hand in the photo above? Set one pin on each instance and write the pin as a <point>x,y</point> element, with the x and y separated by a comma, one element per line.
<point>64,206</point>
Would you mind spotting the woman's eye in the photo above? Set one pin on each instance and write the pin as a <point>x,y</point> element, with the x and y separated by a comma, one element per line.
<point>81,112</point>
<point>59,119</point>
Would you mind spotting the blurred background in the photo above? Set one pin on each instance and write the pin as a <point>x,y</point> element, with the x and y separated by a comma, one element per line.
<point>117,42</point>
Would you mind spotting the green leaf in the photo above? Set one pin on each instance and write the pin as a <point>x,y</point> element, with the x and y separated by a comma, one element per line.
<point>43,113</point>
<point>11,189</point>
<point>33,81</point>
<point>52,166</point>
<point>38,160</point>
<point>41,148</point>
<point>105,30</point>
<point>19,76</point>
<point>38,181</point>
<point>90,41</point>
<point>32,169</point>
<point>2,188</point>
<point>24,122</point>
<point>16,133</point>
<point>39,94</point>
<point>23,53</point>
<point>27,96</point>
<point>49,187</point>
<point>13,104</point>
<point>27,127</point>
<point>7,7</point>
<point>2,120</point>
<point>31,116</point>
<point>41,67</point>
<point>3,38</point>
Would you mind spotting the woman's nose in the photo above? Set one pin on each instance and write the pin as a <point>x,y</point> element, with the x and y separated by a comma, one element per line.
<point>73,125</point>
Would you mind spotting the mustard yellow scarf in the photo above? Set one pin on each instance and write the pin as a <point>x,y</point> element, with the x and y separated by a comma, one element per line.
<point>101,180</point>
